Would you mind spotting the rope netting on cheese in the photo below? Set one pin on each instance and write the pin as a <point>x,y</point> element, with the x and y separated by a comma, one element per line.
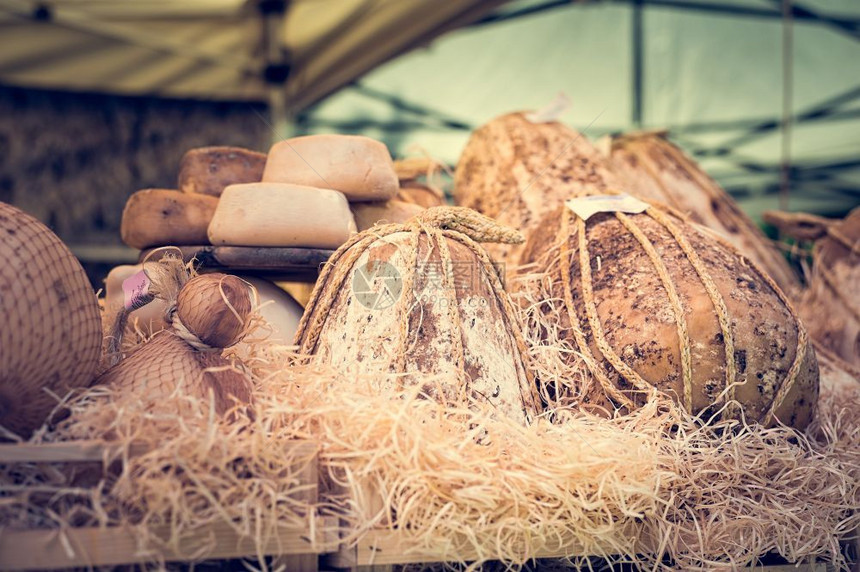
<point>548,285</point>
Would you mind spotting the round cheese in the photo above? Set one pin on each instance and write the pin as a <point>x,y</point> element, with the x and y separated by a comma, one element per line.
<point>359,167</point>
<point>277,214</point>
<point>280,311</point>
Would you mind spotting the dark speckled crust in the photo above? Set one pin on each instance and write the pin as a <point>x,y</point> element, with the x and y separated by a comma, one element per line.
<point>639,323</point>
<point>516,172</point>
<point>209,170</point>
<point>358,340</point>
<point>655,169</point>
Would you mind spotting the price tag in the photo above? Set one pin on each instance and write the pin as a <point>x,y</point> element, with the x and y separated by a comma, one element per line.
<point>552,111</point>
<point>135,290</point>
<point>584,207</point>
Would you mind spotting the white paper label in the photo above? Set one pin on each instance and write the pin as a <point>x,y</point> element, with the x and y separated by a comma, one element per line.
<point>552,111</point>
<point>584,207</point>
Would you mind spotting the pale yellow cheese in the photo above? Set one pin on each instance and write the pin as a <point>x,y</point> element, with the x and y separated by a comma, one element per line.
<point>359,167</point>
<point>278,214</point>
<point>278,309</point>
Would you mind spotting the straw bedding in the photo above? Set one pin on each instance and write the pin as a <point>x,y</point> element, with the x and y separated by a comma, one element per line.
<point>652,487</point>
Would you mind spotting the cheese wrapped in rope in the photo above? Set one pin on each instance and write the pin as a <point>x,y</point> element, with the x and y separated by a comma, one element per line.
<point>647,302</point>
<point>423,299</point>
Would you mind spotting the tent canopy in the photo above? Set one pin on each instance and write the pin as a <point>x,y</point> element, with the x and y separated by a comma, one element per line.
<point>215,49</point>
<point>722,75</point>
<point>756,89</point>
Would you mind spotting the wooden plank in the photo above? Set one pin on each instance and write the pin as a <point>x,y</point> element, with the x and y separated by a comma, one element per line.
<point>304,562</point>
<point>297,264</point>
<point>42,549</point>
<point>69,451</point>
<point>96,450</point>
<point>380,548</point>
<point>109,546</point>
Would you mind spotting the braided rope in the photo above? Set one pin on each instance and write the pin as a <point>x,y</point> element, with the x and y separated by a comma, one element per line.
<point>565,256</point>
<point>466,221</point>
<point>594,320</point>
<point>717,299</point>
<point>452,307</point>
<point>407,299</point>
<point>675,301</point>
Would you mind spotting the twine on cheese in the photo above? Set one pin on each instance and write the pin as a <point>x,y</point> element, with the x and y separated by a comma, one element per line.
<point>437,225</point>
<point>188,336</point>
<point>674,301</point>
<point>573,231</point>
<point>466,221</point>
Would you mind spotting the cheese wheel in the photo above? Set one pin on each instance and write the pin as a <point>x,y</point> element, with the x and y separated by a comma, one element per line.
<point>280,311</point>
<point>209,170</point>
<point>158,217</point>
<point>359,167</point>
<point>148,319</point>
<point>50,340</point>
<point>274,214</point>
<point>370,214</point>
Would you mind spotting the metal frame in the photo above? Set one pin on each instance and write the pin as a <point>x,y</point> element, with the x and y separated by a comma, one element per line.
<point>824,175</point>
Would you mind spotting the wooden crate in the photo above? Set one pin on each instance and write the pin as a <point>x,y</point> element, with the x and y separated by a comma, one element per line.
<point>294,548</point>
<point>107,546</point>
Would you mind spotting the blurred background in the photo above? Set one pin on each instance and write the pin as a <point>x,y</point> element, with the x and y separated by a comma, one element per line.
<point>101,98</point>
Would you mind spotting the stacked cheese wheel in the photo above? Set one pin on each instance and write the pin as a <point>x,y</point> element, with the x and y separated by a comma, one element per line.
<point>312,192</point>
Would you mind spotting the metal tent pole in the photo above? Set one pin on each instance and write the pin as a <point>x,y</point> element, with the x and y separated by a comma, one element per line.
<point>277,68</point>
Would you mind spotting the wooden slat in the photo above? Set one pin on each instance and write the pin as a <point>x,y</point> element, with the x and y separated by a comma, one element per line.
<point>109,546</point>
<point>71,451</point>
<point>305,562</point>
<point>379,548</point>
<point>297,264</point>
<point>382,548</point>
<point>41,549</point>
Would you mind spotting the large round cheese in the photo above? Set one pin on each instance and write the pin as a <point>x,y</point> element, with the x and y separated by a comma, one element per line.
<point>645,301</point>
<point>359,167</point>
<point>278,214</point>
<point>51,336</point>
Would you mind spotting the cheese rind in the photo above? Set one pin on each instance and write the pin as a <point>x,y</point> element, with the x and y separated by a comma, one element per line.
<point>158,217</point>
<point>278,214</point>
<point>209,170</point>
<point>420,194</point>
<point>370,214</point>
<point>359,167</point>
